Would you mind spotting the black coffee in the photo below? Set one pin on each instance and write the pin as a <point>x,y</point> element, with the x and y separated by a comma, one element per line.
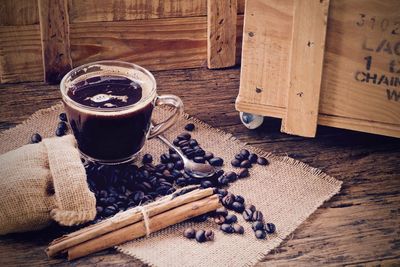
<point>113,135</point>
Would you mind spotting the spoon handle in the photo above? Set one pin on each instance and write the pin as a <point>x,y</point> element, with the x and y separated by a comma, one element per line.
<point>168,143</point>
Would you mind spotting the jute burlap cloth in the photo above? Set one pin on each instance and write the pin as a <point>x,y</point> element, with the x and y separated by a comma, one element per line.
<point>286,191</point>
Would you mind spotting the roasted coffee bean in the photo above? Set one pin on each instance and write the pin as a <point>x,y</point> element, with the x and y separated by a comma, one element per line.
<point>222,192</point>
<point>99,209</point>
<point>181,181</point>
<point>200,236</point>
<point>208,155</point>
<point>239,198</point>
<point>209,235</point>
<point>111,200</point>
<point>216,161</point>
<point>245,164</point>
<point>189,127</point>
<point>238,207</point>
<point>161,167</point>
<point>239,157</point>
<point>262,161</point>
<point>219,219</point>
<point>183,143</point>
<point>245,153</point>
<point>176,173</point>
<point>247,215</point>
<point>200,153</point>
<point>260,234</point>
<point>176,141</point>
<point>63,117</point>
<point>235,163</point>
<point>223,180</point>
<point>171,151</point>
<point>193,142</point>
<point>230,218</point>
<point>62,125</point>
<point>221,211</point>
<point>258,216</point>
<point>189,233</point>
<point>199,160</point>
<point>137,196</point>
<point>228,200</point>
<point>175,157</point>
<point>251,207</point>
<point>238,229</point>
<point>60,132</point>
<point>103,193</point>
<point>165,158</point>
<point>257,226</point>
<point>170,166</point>
<point>270,228</point>
<point>147,158</point>
<point>184,136</point>
<point>191,154</point>
<point>253,158</point>
<point>36,138</point>
<point>231,176</point>
<point>179,165</point>
<point>109,210</point>
<point>206,184</point>
<point>227,228</point>
<point>243,173</point>
<point>196,147</point>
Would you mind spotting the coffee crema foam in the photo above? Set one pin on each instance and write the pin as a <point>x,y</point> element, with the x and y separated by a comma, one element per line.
<point>110,94</point>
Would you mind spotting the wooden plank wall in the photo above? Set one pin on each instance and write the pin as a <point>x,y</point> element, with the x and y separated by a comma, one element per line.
<point>170,34</point>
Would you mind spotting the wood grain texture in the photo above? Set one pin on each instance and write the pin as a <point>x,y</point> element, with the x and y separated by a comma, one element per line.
<point>265,55</point>
<point>118,10</point>
<point>306,62</point>
<point>54,32</point>
<point>18,12</point>
<point>356,30</point>
<point>358,227</point>
<point>221,33</point>
<point>20,54</point>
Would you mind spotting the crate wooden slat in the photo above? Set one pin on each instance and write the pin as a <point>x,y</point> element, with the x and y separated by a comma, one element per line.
<point>221,33</point>
<point>307,54</point>
<point>19,12</point>
<point>54,32</point>
<point>358,32</point>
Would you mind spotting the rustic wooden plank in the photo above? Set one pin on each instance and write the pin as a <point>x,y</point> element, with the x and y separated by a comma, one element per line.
<point>221,33</point>
<point>54,32</point>
<point>362,36</point>
<point>117,10</point>
<point>306,62</point>
<point>358,226</point>
<point>265,59</point>
<point>19,12</point>
<point>20,54</point>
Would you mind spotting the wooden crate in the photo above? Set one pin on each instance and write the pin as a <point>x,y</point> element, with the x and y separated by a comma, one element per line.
<point>42,39</point>
<point>334,63</point>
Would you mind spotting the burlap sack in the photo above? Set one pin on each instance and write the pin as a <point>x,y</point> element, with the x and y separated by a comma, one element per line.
<point>44,182</point>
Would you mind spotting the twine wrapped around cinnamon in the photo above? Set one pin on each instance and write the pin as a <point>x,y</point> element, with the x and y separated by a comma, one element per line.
<point>131,224</point>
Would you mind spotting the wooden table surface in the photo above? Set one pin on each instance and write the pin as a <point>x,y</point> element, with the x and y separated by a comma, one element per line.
<point>359,226</point>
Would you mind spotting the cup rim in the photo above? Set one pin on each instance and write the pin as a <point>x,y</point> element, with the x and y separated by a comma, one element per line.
<point>151,95</point>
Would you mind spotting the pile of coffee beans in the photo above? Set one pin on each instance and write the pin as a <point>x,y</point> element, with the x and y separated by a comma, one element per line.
<point>192,150</point>
<point>61,130</point>
<point>120,187</point>
<point>199,235</point>
<point>245,159</point>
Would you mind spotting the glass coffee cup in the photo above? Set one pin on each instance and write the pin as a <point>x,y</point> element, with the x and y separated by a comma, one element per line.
<point>109,105</point>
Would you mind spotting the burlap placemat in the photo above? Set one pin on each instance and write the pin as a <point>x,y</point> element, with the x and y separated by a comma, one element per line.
<point>286,191</point>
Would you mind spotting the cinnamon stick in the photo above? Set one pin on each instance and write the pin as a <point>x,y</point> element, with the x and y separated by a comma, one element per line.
<point>136,230</point>
<point>121,220</point>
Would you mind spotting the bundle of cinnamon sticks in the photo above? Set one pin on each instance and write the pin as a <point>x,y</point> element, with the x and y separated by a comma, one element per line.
<point>134,223</point>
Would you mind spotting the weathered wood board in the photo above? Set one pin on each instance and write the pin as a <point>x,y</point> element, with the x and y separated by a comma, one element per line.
<point>360,88</point>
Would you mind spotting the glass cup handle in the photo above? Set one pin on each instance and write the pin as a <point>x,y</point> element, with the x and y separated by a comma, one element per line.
<point>170,100</point>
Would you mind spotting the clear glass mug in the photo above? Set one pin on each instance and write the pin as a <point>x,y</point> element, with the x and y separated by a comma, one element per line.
<point>115,135</point>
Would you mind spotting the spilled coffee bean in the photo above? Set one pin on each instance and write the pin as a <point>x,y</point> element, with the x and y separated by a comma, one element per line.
<point>36,138</point>
<point>227,228</point>
<point>270,228</point>
<point>238,229</point>
<point>189,127</point>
